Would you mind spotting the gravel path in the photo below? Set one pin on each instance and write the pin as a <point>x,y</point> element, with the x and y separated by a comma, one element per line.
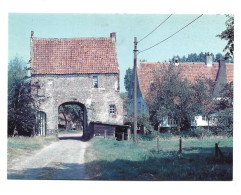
<point>61,160</point>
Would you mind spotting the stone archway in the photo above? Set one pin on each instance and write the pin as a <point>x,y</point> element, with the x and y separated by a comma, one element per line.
<point>83,120</point>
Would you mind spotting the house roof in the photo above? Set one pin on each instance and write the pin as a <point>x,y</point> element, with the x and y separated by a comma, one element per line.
<point>73,56</point>
<point>190,71</point>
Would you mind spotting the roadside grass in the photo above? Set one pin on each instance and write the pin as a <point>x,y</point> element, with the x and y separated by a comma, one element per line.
<point>108,159</point>
<point>20,146</point>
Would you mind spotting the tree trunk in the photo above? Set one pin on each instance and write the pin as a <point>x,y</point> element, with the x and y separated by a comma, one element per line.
<point>178,126</point>
<point>208,122</point>
<point>65,119</point>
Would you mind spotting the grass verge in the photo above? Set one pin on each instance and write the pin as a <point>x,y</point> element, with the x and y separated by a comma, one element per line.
<point>20,146</point>
<point>115,160</point>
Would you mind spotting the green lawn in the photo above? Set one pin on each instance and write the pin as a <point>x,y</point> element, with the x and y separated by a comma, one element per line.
<point>115,160</point>
<point>24,146</point>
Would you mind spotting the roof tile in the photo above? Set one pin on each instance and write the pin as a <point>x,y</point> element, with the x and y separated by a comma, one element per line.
<point>190,71</point>
<point>76,55</point>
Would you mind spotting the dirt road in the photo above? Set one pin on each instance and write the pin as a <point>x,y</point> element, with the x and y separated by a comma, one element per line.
<point>61,160</point>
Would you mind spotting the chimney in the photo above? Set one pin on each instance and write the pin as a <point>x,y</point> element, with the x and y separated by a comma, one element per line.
<point>208,60</point>
<point>176,61</point>
<point>113,36</point>
<point>32,33</point>
<point>221,79</point>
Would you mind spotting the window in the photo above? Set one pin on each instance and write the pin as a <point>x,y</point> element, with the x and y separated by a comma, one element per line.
<point>95,81</point>
<point>204,118</point>
<point>116,86</point>
<point>112,109</point>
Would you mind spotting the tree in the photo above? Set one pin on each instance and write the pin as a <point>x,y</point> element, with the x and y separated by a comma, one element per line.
<point>72,111</point>
<point>217,57</point>
<point>126,101</point>
<point>204,104</point>
<point>224,108</point>
<point>21,108</point>
<point>228,34</point>
<point>193,57</point>
<point>171,97</point>
<point>128,82</point>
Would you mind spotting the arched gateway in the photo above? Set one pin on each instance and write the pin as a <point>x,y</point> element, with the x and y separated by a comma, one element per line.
<point>77,70</point>
<point>82,116</point>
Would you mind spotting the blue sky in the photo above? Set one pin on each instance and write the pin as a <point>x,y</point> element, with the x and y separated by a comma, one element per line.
<point>198,37</point>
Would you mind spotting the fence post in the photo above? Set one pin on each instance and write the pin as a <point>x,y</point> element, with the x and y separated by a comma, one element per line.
<point>114,135</point>
<point>158,145</point>
<point>128,132</point>
<point>123,136</point>
<point>180,145</point>
<point>216,150</point>
<point>105,134</point>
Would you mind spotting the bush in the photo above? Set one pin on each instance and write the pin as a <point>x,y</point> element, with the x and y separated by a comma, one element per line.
<point>198,132</point>
<point>223,131</point>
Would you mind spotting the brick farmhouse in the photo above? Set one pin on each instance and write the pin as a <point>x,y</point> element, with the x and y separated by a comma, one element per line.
<point>219,72</point>
<point>81,71</point>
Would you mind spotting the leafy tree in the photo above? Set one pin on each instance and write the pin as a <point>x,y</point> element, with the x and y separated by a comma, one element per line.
<point>217,57</point>
<point>228,35</point>
<point>193,57</point>
<point>203,99</point>
<point>171,96</point>
<point>128,82</point>
<point>177,98</point>
<point>143,119</point>
<point>21,108</point>
<point>72,111</point>
<point>224,106</point>
<point>126,101</point>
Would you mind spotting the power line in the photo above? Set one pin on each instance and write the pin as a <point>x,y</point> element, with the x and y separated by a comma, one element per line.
<point>171,35</point>
<point>156,28</point>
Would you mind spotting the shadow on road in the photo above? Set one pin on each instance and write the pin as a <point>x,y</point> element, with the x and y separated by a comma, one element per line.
<point>73,137</point>
<point>65,171</point>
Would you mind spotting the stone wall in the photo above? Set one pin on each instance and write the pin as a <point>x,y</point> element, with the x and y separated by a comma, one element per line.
<point>55,90</point>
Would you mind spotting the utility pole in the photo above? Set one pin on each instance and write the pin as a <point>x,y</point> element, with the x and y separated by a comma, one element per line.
<point>135,89</point>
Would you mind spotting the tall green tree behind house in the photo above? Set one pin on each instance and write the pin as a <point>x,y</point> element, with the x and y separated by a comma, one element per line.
<point>194,57</point>
<point>228,35</point>
<point>21,109</point>
<point>128,82</point>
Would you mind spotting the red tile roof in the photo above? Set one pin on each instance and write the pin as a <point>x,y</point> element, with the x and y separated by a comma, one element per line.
<point>229,72</point>
<point>189,71</point>
<point>75,55</point>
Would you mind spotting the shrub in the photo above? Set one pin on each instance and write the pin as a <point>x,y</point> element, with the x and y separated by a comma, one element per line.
<point>198,132</point>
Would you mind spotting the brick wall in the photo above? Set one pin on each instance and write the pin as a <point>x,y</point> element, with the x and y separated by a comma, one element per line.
<point>58,89</point>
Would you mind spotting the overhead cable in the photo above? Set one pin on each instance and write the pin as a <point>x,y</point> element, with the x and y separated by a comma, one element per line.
<point>155,28</point>
<point>171,35</point>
